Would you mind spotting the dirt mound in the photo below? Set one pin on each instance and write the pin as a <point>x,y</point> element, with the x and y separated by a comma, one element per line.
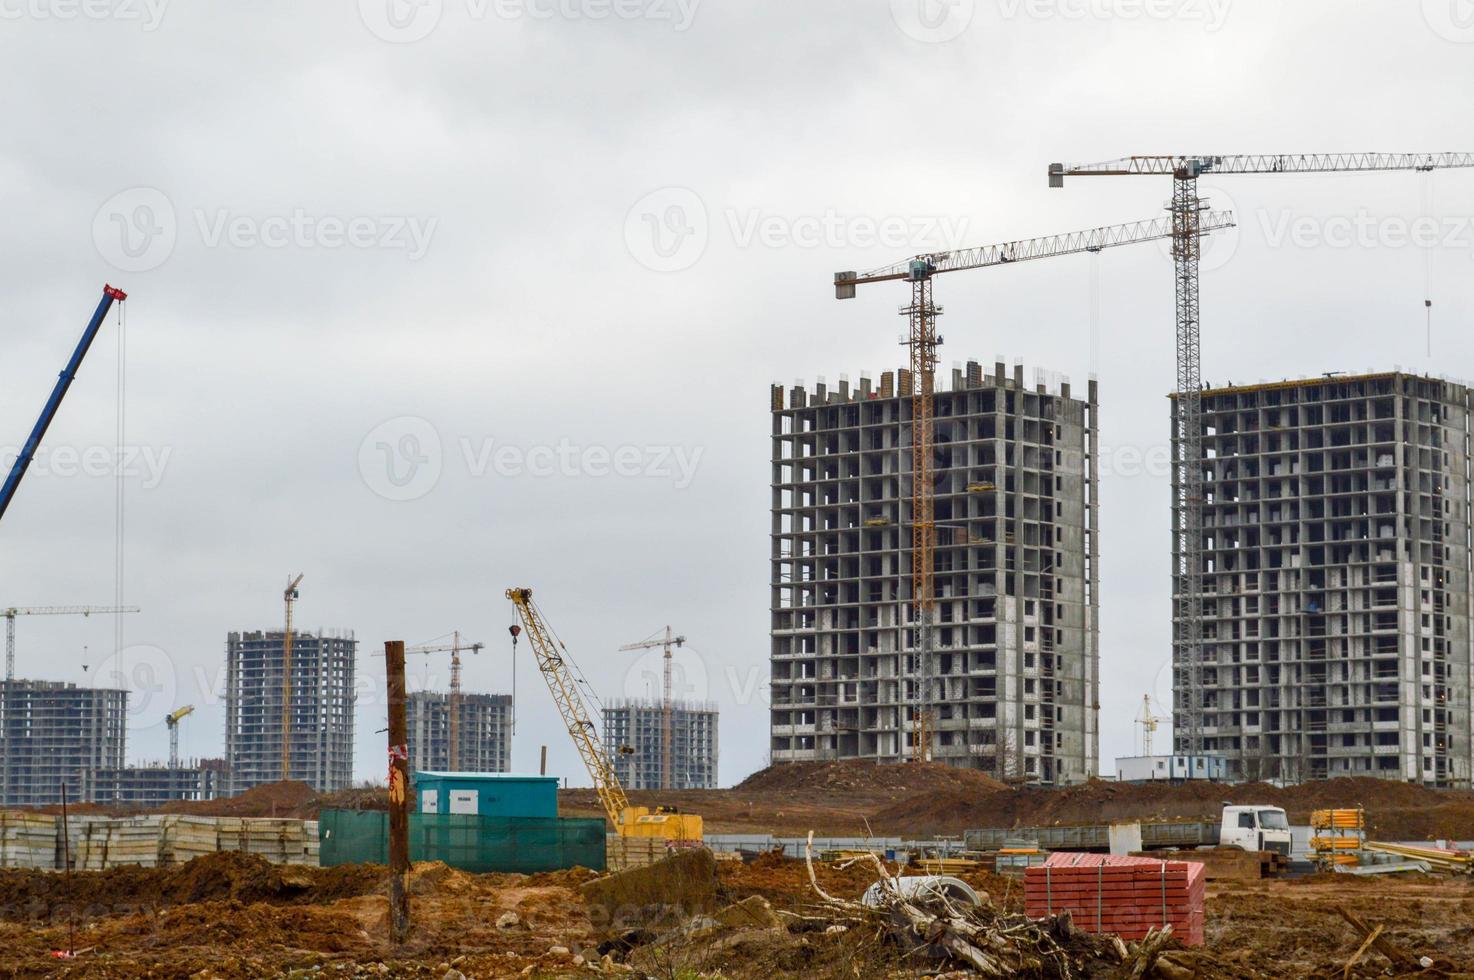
<point>30,895</point>
<point>868,778</point>
<point>268,800</point>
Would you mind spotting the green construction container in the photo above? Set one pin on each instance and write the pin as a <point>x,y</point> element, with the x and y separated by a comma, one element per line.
<point>480,845</point>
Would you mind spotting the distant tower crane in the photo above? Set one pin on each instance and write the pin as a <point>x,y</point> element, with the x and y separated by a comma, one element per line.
<point>1148,720</point>
<point>290,597</point>
<point>172,720</point>
<point>923,342</point>
<point>1187,211</point>
<point>667,643</point>
<point>11,613</point>
<point>454,649</point>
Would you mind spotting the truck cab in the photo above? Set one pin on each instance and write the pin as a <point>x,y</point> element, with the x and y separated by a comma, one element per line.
<point>1255,828</point>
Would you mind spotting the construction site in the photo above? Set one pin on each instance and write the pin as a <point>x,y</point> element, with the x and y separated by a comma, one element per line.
<point>936,648</point>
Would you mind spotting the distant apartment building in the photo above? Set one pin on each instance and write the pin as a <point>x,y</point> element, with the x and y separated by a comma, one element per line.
<point>55,734</point>
<point>149,786</point>
<point>1336,589</point>
<point>320,709</point>
<point>484,732</point>
<point>1015,662</point>
<point>634,738</point>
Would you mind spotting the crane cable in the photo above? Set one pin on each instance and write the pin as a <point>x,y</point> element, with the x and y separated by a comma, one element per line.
<point>119,495</point>
<point>1427,191</point>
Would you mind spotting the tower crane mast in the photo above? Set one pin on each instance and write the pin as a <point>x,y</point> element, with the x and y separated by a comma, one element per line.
<point>666,643</point>
<point>923,341</point>
<point>1187,213</point>
<point>454,705</point>
<point>290,597</point>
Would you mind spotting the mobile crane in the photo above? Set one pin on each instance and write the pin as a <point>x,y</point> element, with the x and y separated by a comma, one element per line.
<point>63,384</point>
<point>629,821</point>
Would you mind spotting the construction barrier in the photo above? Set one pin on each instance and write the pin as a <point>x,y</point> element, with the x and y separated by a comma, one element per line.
<point>95,843</point>
<point>1124,896</point>
<point>469,842</point>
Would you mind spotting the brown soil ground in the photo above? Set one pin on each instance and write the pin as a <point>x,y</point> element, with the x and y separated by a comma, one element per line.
<point>323,924</point>
<point>856,798</point>
<point>860,798</point>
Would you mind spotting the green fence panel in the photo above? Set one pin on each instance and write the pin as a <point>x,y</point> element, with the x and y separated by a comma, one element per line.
<point>468,842</point>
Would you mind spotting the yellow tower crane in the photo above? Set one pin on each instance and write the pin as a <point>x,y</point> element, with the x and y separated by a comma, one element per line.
<point>1149,722</point>
<point>172,720</point>
<point>552,661</point>
<point>454,648</point>
<point>290,596</point>
<point>667,643</point>
<point>920,387</point>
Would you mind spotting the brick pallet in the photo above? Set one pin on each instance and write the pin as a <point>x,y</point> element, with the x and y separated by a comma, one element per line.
<point>1124,896</point>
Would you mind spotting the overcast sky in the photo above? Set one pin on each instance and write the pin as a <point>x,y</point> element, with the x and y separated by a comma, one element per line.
<point>432,300</point>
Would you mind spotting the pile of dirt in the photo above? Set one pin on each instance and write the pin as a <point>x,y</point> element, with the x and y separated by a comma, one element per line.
<point>287,799</point>
<point>868,779</point>
<point>28,895</point>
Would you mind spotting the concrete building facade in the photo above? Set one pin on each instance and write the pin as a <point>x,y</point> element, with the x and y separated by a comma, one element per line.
<point>155,785</point>
<point>54,735</point>
<point>634,737</point>
<point>1016,566</point>
<point>321,708</point>
<point>1336,589</point>
<point>485,732</point>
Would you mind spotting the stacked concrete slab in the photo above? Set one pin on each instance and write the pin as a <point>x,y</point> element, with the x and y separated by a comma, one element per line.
<point>96,843</point>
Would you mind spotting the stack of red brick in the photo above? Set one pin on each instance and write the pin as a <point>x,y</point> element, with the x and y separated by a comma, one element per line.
<point>1124,896</point>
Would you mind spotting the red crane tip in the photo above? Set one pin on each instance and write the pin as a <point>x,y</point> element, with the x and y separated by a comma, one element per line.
<point>115,293</point>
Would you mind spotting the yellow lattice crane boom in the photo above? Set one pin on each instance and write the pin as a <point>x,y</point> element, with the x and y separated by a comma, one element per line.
<point>552,663</point>
<point>172,720</point>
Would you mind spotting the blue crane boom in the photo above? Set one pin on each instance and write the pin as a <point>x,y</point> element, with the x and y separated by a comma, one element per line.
<point>28,452</point>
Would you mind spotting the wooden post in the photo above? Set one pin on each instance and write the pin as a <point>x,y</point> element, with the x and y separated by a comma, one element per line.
<point>543,771</point>
<point>398,794</point>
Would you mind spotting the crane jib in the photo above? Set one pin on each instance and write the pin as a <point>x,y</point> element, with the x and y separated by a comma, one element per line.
<point>64,382</point>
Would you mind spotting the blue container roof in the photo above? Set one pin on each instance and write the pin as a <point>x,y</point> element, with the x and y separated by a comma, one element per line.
<point>486,776</point>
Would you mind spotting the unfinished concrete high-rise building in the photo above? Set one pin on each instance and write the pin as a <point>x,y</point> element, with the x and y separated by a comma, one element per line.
<point>484,732</point>
<point>1336,580</point>
<point>154,785</point>
<point>634,739</point>
<point>1015,665</point>
<point>321,716</point>
<point>54,735</point>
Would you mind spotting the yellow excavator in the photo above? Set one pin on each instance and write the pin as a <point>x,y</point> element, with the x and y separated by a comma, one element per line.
<point>663,823</point>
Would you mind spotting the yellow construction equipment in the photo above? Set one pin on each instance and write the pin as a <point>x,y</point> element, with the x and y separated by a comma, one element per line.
<point>1338,836</point>
<point>665,823</point>
<point>172,720</point>
<point>290,596</point>
<point>1149,722</point>
<point>454,707</point>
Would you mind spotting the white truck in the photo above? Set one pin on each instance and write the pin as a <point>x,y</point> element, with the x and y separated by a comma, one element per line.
<point>1255,828</point>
